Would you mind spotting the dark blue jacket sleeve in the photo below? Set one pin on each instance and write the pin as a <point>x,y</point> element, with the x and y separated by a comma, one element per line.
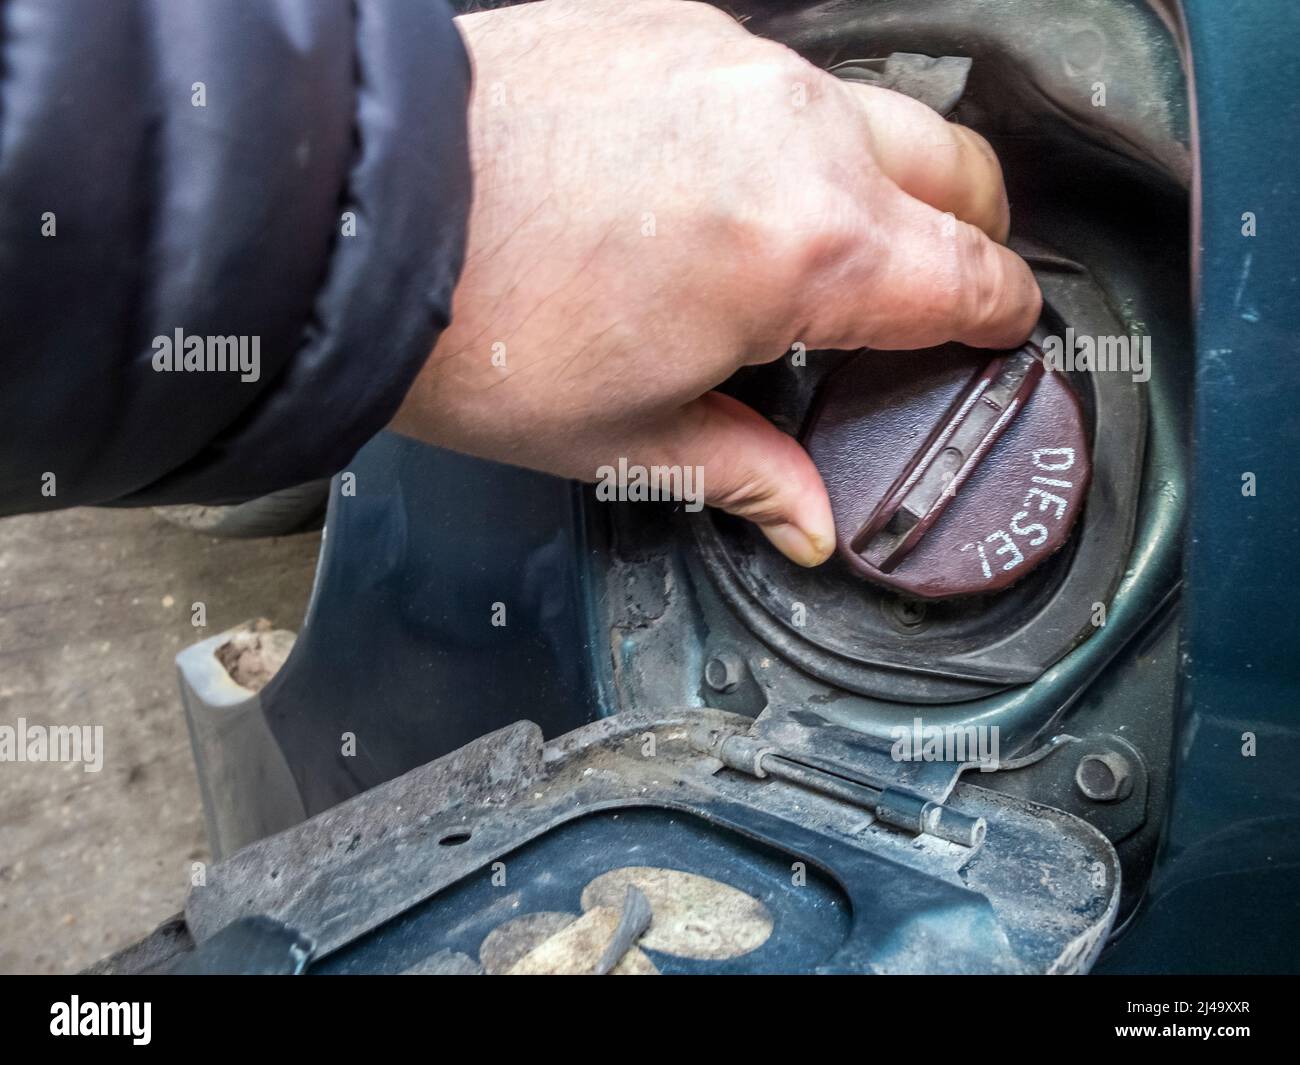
<point>229,234</point>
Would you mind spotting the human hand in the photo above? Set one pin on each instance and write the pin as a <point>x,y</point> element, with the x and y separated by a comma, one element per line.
<point>662,198</point>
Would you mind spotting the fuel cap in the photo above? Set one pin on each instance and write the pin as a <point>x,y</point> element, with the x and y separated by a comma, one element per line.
<point>951,472</point>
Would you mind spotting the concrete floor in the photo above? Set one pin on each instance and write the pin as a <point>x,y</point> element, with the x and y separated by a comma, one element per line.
<point>94,606</point>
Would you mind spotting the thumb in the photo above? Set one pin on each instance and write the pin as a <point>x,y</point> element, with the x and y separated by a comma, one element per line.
<point>749,468</point>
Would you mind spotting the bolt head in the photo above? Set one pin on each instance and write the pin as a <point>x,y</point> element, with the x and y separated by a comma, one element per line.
<point>723,672</point>
<point>1104,777</point>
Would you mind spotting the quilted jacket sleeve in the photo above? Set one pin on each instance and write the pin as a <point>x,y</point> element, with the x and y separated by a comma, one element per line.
<point>229,234</point>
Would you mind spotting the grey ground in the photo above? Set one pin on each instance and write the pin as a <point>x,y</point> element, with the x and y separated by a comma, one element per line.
<point>94,605</point>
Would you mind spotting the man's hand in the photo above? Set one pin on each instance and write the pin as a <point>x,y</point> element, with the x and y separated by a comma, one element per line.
<point>662,198</point>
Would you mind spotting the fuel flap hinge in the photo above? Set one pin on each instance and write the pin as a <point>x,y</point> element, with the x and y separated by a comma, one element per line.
<point>890,803</point>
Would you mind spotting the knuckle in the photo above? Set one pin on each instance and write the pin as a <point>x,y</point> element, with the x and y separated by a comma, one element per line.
<point>805,232</point>
<point>986,284</point>
<point>772,76</point>
<point>973,283</point>
<point>948,292</point>
<point>748,496</point>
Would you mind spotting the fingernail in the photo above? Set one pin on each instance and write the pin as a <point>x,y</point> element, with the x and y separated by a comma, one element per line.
<point>798,546</point>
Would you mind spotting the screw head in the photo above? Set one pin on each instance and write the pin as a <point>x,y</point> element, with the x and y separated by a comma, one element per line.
<point>723,672</point>
<point>1104,777</point>
<point>906,615</point>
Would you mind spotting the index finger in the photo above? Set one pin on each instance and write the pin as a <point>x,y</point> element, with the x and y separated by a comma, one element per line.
<point>918,277</point>
<point>948,166</point>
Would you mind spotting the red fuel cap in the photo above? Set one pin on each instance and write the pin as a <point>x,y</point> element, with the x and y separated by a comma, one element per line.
<point>951,472</point>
